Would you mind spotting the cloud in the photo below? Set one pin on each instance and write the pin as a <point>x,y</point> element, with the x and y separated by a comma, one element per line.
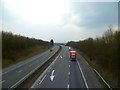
<point>95,15</point>
<point>73,27</point>
<point>75,18</point>
<point>71,18</point>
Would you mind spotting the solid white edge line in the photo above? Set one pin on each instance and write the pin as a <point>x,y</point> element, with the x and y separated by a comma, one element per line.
<point>103,79</point>
<point>83,76</point>
<point>42,79</point>
<point>48,69</point>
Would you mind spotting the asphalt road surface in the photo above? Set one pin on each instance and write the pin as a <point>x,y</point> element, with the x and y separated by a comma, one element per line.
<point>14,75</point>
<point>63,73</point>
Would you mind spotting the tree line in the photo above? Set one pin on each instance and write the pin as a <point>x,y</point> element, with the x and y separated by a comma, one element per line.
<point>103,51</point>
<point>12,44</point>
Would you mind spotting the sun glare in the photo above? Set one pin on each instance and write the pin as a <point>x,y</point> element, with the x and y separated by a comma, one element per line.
<point>39,11</point>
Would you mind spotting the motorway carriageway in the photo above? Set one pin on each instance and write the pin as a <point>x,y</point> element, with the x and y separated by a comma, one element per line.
<point>63,73</point>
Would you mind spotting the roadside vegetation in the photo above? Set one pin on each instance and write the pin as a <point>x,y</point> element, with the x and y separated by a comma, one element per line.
<point>16,48</point>
<point>103,53</point>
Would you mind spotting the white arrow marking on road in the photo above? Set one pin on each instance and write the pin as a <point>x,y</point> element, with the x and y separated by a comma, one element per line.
<point>60,56</point>
<point>52,76</point>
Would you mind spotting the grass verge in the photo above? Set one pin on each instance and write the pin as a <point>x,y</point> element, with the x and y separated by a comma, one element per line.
<point>23,55</point>
<point>32,78</point>
<point>93,66</point>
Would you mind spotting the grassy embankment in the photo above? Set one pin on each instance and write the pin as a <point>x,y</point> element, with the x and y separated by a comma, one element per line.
<point>16,48</point>
<point>102,54</point>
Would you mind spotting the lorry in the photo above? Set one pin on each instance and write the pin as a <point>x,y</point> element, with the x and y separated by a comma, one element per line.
<point>73,55</point>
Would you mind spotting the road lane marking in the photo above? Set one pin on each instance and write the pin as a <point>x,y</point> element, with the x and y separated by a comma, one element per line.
<point>68,73</point>
<point>42,79</point>
<point>45,71</point>
<point>20,71</point>
<point>49,69</point>
<point>68,86</point>
<point>52,76</point>
<point>69,66</point>
<point>87,62</point>
<point>60,56</point>
<point>103,79</point>
<point>83,75</point>
<point>2,81</point>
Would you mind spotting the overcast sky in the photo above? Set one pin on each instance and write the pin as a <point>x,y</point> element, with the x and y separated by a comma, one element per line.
<point>58,20</point>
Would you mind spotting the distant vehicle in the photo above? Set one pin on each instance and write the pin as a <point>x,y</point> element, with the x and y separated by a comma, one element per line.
<point>69,49</point>
<point>73,55</point>
<point>51,50</point>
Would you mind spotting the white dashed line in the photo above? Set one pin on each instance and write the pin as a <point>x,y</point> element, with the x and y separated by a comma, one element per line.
<point>68,86</point>
<point>42,79</point>
<point>68,73</point>
<point>69,66</point>
<point>20,71</point>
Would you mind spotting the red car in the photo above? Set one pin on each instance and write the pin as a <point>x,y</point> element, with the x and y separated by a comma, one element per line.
<point>72,55</point>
